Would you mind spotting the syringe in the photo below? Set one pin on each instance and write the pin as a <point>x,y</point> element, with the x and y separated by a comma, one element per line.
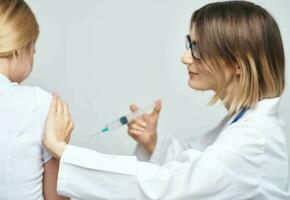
<point>126,119</point>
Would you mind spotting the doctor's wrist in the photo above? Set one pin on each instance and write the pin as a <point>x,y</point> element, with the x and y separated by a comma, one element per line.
<point>151,146</point>
<point>56,148</point>
<point>60,149</point>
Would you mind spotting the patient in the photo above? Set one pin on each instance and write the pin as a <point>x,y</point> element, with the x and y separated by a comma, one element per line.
<point>27,171</point>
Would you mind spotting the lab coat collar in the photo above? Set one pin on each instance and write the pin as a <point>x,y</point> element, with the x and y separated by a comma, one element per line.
<point>264,107</point>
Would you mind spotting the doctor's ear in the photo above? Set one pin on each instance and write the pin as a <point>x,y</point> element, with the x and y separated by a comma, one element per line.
<point>16,53</point>
<point>238,71</point>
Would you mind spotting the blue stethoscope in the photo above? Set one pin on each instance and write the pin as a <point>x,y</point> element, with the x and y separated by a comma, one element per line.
<point>241,113</point>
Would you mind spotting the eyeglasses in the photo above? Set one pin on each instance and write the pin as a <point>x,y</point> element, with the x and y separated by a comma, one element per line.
<point>193,48</point>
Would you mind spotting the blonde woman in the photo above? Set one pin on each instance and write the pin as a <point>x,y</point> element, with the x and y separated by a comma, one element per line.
<point>235,49</point>
<point>27,171</point>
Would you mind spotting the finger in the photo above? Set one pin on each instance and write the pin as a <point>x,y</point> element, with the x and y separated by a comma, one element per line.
<point>141,123</point>
<point>157,107</point>
<point>137,127</point>
<point>65,110</point>
<point>53,105</point>
<point>71,122</point>
<point>72,126</point>
<point>70,116</point>
<point>69,131</point>
<point>67,116</point>
<point>59,106</point>
<point>146,116</point>
<point>133,132</point>
<point>133,108</point>
<point>138,121</point>
<point>63,105</point>
<point>130,124</point>
<point>70,119</point>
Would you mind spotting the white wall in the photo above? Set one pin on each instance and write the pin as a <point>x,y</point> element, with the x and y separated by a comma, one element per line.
<point>101,56</point>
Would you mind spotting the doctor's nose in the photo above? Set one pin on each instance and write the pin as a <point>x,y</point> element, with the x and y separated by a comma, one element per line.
<point>187,58</point>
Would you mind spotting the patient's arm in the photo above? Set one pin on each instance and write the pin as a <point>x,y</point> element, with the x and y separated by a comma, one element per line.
<point>50,181</point>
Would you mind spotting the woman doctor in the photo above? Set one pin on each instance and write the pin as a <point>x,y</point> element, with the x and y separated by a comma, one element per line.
<point>236,50</point>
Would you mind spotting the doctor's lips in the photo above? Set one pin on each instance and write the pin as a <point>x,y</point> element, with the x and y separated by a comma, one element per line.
<point>192,74</point>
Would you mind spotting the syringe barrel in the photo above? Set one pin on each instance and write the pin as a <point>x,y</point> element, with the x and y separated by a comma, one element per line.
<point>114,124</point>
<point>129,117</point>
<point>132,116</point>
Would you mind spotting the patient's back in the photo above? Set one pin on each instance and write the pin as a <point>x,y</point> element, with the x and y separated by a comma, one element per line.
<point>22,116</point>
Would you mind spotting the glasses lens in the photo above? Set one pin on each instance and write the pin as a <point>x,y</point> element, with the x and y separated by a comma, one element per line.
<point>193,48</point>
<point>196,53</point>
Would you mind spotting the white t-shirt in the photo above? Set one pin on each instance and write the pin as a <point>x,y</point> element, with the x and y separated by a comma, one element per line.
<point>23,111</point>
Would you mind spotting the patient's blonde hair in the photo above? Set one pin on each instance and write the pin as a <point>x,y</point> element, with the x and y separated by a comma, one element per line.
<point>242,35</point>
<point>18,27</point>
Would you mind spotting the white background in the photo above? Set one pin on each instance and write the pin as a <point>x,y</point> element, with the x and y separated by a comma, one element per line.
<point>101,56</point>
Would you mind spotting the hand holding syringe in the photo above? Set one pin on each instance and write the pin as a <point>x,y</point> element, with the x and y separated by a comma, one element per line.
<point>126,119</point>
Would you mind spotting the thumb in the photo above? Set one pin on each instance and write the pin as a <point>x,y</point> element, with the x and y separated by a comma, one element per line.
<point>133,108</point>
<point>157,108</point>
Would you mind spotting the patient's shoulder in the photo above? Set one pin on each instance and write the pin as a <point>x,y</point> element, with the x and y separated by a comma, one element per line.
<point>28,99</point>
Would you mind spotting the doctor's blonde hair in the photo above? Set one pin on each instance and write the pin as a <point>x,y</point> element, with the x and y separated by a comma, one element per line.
<point>243,35</point>
<point>18,27</point>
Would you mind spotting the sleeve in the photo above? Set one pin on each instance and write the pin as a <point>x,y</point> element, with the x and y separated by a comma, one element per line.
<point>228,170</point>
<point>166,149</point>
<point>170,149</point>
<point>43,99</point>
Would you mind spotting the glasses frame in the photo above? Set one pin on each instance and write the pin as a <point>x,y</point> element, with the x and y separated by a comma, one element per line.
<point>193,48</point>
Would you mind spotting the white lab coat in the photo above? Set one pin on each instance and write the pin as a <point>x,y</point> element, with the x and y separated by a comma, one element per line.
<point>244,160</point>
